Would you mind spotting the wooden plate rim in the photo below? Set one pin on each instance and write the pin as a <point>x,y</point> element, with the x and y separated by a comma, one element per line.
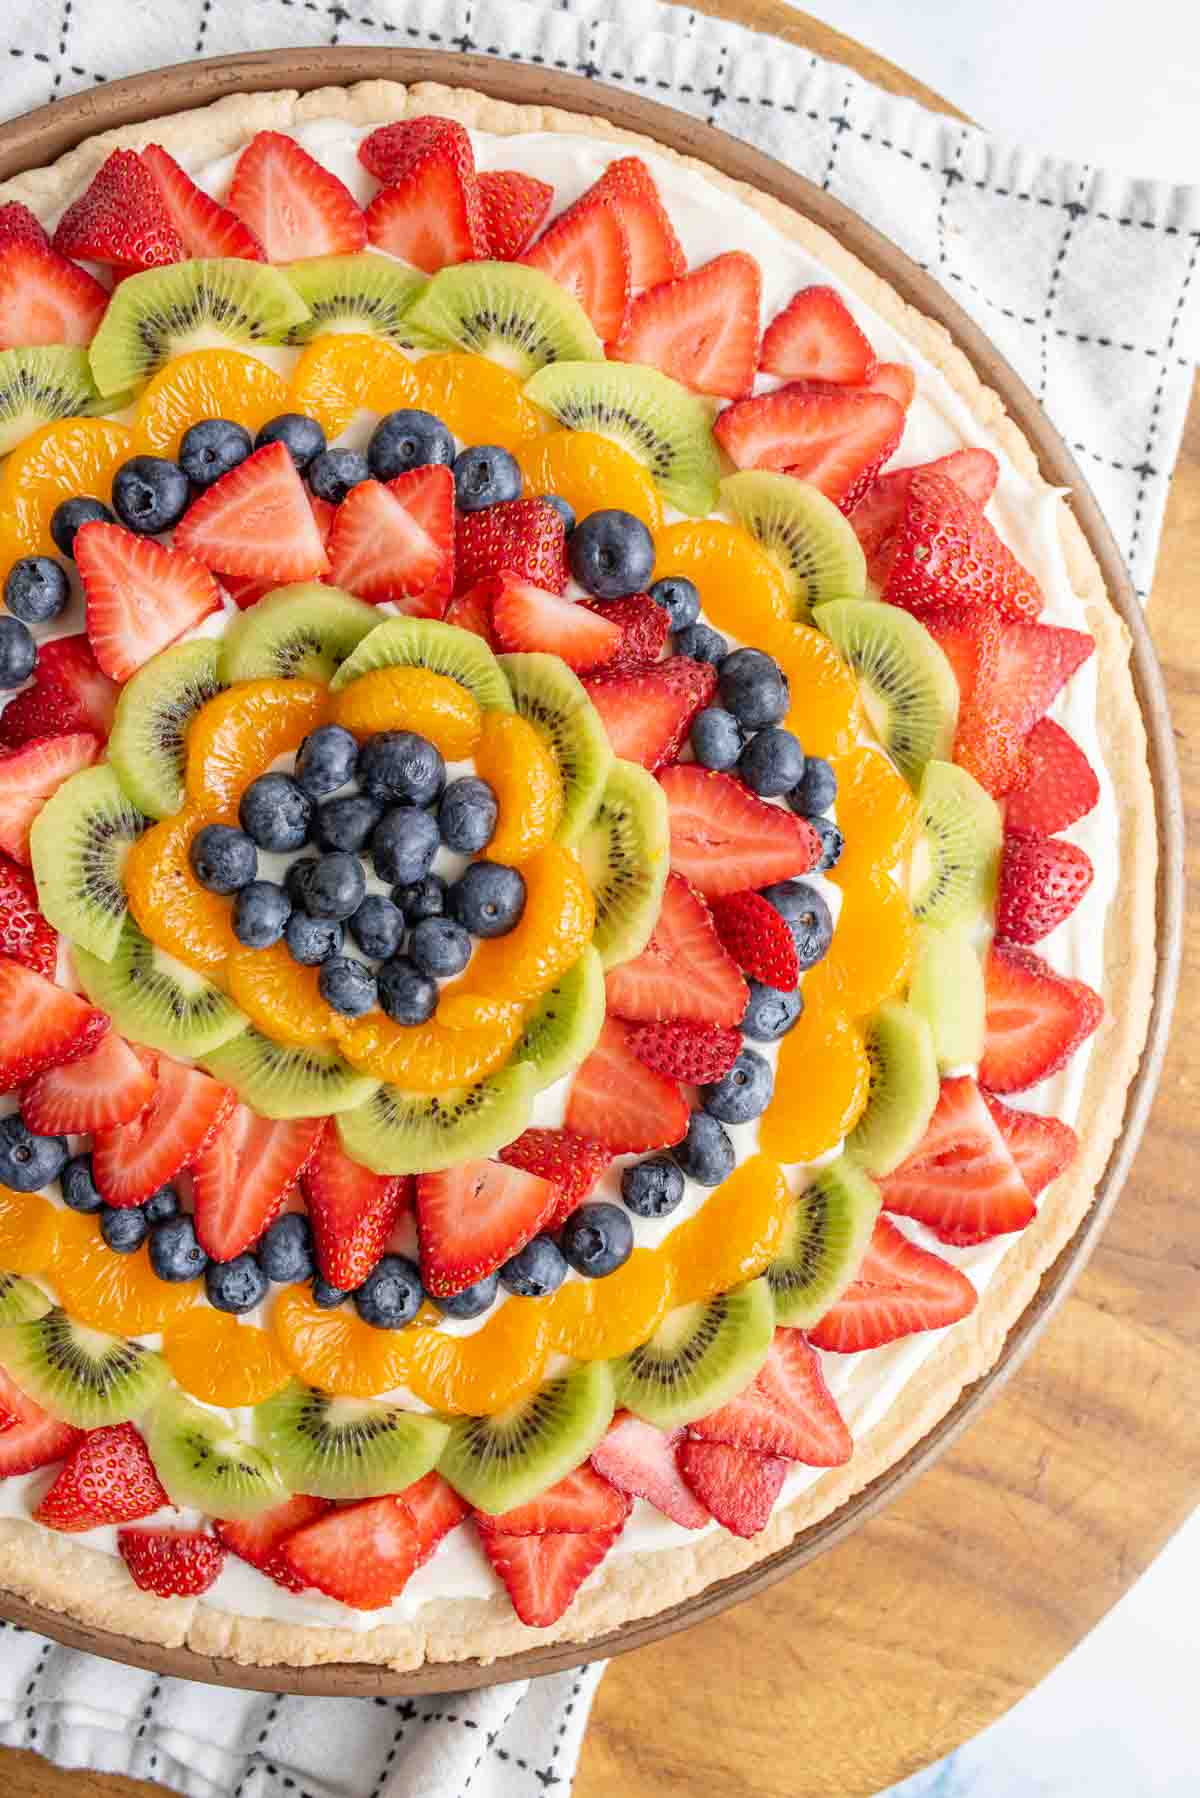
<point>41,137</point>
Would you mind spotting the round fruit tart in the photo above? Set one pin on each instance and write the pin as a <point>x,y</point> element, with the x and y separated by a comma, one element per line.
<point>561,793</point>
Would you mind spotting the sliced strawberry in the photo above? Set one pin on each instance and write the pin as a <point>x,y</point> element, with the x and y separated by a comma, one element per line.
<point>246,590</point>
<point>895,379</point>
<point>948,554</point>
<point>644,628</point>
<point>260,1539</point>
<point>522,537</point>
<point>432,213</point>
<point>34,1438</point>
<point>640,1460</point>
<point>243,1173</point>
<point>352,1212</point>
<point>587,252</point>
<point>120,219</point>
<point>961,1178</point>
<point>294,206</point>
<point>836,441</point>
<point>737,1485</point>
<point>1042,880</point>
<point>256,520</point>
<point>683,973</point>
<point>44,1025</point>
<point>362,1554</point>
<point>815,338</point>
<point>70,692</point>
<point>187,1111</point>
<point>390,151</point>
<point>25,935</point>
<point>108,1478</point>
<point>900,1289</point>
<point>1036,1019</point>
<point>648,712</point>
<point>655,252</point>
<point>515,207</point>
<point>725,839</point>
<point>879,513</point>
<point>702,329</point>
<point>105,1088</point>
<point>787,1410</point>
<point>139,595</point>
<point>472,611</point>
<point>525,617</point>
<point>617,1100</point>
<point>46,299</point>
<point>171,1563</point>
<point>1057,784</point>
<point>693,1053</point>
<point>29,775</point>
<point>19,225</point>
<point>203,225</point>
<point>571,1162</point>
<point>396,541</point>
<point>1035,663</point>
<point>543,1573</point>
<point>582,1501</point>
<point>435,1509</point>
<point>473,1217</point>
<point>1041,1147</point>
<point>759,940</point>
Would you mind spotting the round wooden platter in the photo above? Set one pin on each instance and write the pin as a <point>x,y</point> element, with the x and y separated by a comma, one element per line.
<point>45,134</point>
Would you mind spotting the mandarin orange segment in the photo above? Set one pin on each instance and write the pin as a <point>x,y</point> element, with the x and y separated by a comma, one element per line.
<point>417,699</point>
<point>28,1232</point>
<point>593,1320</point>
<point>430,1058</point>
<point>477,399</point>
<point>876,814</point>
<point>206,384</point>
<point>872,953</point>
<point>592,473</point>
<point>346,372</point>
<point>554,929</point>
<point>807,1117</point>
<point>481,1373</point>
<point>221,1361</point>
<point>71,457</point>
<point>742,591</point>
<point>238,734</point>
<point>513,757</point>
<point>167,901</point>
<point>121,1293</point>
<point>826,712</point>
<point>737,1231</point>
<point>335,1350</point>
<point>280,997</point>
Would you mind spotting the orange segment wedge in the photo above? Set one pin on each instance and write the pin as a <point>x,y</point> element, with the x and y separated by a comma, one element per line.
<point>167,901</point>
<point>221,1361</point>
<point>430,1058</point>
<point>876,814</point>
<point>121,1293</point>
<point>734,1235</point>
<point>514,758</point>
<point>481,1373</point>
<point>826,713</point>
<point>335,1350</point>
<point>238,734</point>
<point>433,705</point>
<point>280,997</point>
<point>741,589</point>
<point>73,456</point>
<point>28,1232</point>
<point>554,929</point>
<point>345,372</point>
<point>477,399</point>
<point>592,473</point>
<point>206,384</point>
<point>872,953</point>
<point>808,1117</point>
<point>593,1320</point>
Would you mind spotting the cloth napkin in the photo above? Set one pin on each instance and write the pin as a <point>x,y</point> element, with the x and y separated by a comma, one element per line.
<point>1084,279</point>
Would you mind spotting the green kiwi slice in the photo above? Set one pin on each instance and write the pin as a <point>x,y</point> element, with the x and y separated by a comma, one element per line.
<point>811,542</point>
<point>21,1300</point>
<point>907,685</point>
<point>956,853</point>
<point>84,1376</point>
<point>223,301</point>
<point>554,700</point>
<point>825,1238</point>
<point>205,1465</point>
<point>363,293</point>
<point>281,1082</point>
<point>78,845</point>
<point>499,1462</point>
<point>147,743</point>
<point>563,1028</point>
<point>666,428</point>
<point>40,385</point>
<point>903,1091</point>
<point>154,999</point>
<point>516,316</point>
<point>304,632</point>
<point>948,991</point>
<point>428,643</point>
<point>626,855</point>
<point>699,1356</point>
<point>396,1132</point>
<point>346,1447</point>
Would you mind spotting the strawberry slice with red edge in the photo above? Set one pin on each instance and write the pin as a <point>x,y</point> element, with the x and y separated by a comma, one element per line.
<point>684,974</point>
<point>515,207</point>
<point>947,553</point>
<point>702,329</point>
<point>758,938</point>
<point>363,1554</point>
<point>171,1563</point>
<point>522,537</point>
<point>473,1217</point>
<point>586,251</point>
<point>571,1162</point>
<point>294,206</point>
<point>525,617</point>
<point>139,596</point>
<point>120,219</point>
<point>256,520</point>
<point>389,152</point>
<point>1042,880</point>
<point>246,590</point>
<point>694,1053</point>
<point>395,540</point>
<point>45,299</point>
<point>435,1509</point>
<point>19,225</point>
<point>108,1478</point>
<point>187,1111</point>
<point>900,1289</point>
<point>837,441</point>
<point>641,1460</point>
<point>655,252</point>
<point>431,213</point>
<point>260,1539</point>
<point>1042,1147</point>
<point>69,692</point>
<point>737,1485</point>
<point>25,935</point>
<point>725,839</point>
<point>1036,1019</point>
<point>787,1409</point>
<point>648,712</point>
<point>352,1212</point>
<point>1057,784</point>
<point>44,1025</point>
<point>542,1574</point>
<point>203,225</point>
<point>644,628</point>
<point>243,1173</point>
<point>472,611</point>
<point>97,1092</point>
<point>815,338</point>
<point>879,513</point>
<point>29,775</point>
<point>33,1439</point>
<point>961,1178</point>
<point>895,379</point>
<point>616,1099</point>
<point>583,1501</point>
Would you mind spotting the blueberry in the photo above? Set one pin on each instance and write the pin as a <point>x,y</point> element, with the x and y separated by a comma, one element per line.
<point>276,812</point>
<point>175,1255</point>
<point>652,1188</point>
<point>753,686</point>
<point>769,1013</point>
<point>832,843</point>
<point>260,914</point>
<point>467,814</point>
<point>472,1301</point>
<point>334,472</point>
<point>563,507</point>
<point>597,1239</point>
<point>70,515</point>
<point>236,1285</point>
<point>223,859</point>
<point>301,436</point>
<point>28,1161</point>
<point>611,553</point>
<point>348,985</point>
<point>406,995</point>
<point>211,448</point>
<point>422,898</point>
<point>161,1205</point>
<point>285,1252</point>
<point>484,476</point>
<point>807,915</point>
<point>816,790</point>
<point>326,1296</point>
<point>36,589</point>
<point>18,653</point>
<point>123,1228</point>
<point>378,927</point>
<point>408,439</point>
<point>439,947</point>
<point>706,1153</point>
<point>489,899</point>
<point>295,881</point>
<point>78,1185</point>
<point>399,766</point>
<point>150,494</point>
<point>336,887</point>
<point>717,738</point>
<point>771,763</point>
<point>743,1093</point>
<point>403,845</point>
<point>326,760</point>
<point>347,822</point>
<point>679,599</point>
<point>535,1271</point>
<point>311,941</point>
<point>391,1294</point>
<point>702,643</point>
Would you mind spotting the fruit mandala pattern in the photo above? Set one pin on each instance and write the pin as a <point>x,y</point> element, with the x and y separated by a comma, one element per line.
<point>522,845</point>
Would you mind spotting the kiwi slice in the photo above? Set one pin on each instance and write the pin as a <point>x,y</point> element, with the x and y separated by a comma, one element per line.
<point>154,999</point>
<point>825,1238</point>
<point>149,731</point>
<point>282,1082</point>
<point>345,1447</point>
<point>40,385</point>
<point>303,632</point>
<point>78,845</point>
<point>20,1300</point>
<point>956,853</point>
<point>907,685</point>
<point>903,1091</point>
<point>699,1356</point>
<point>84,1376</point>
<point>554,700</point>
<point>563,1028</point>
<point>396,1132</point>
<point>948,991</point>
<point>516,316</point>
<point>505,1460</point>
<point>428,643</point>
<point>626,855</point>
<point>364,293</point>
<point>204,1465</point>
<point>215,302</point>
<point>812,543</point>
